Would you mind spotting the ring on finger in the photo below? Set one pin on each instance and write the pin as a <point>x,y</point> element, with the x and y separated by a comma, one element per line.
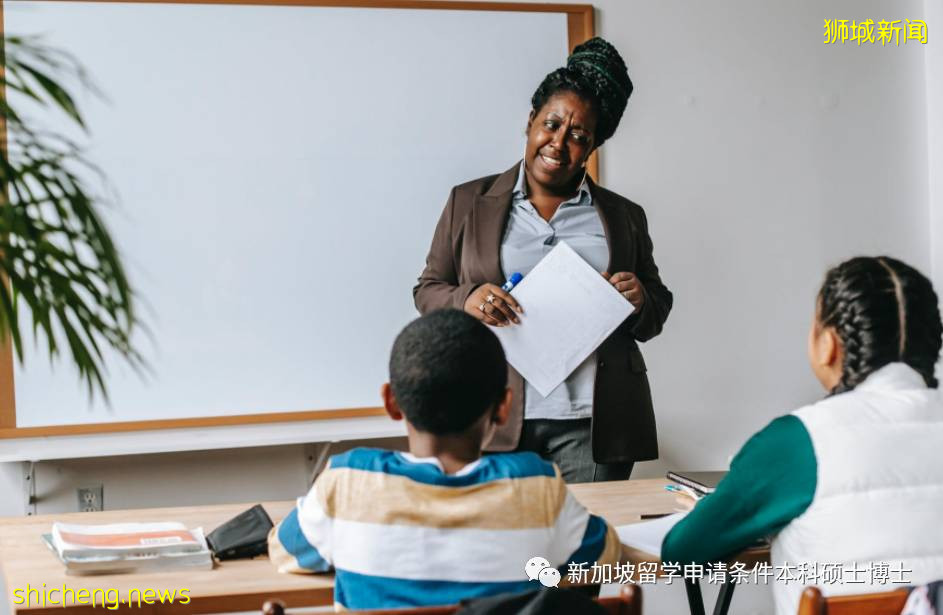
<point>489,298</point>
<point>481,307</point>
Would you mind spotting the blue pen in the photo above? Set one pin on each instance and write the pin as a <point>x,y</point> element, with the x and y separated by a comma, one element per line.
<point>513,281</point>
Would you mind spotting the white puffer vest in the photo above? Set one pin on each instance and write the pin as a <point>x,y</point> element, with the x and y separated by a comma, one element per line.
<point>879,491</point>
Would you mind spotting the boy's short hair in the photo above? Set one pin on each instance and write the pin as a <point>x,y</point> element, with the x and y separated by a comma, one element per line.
<point>446,370</point>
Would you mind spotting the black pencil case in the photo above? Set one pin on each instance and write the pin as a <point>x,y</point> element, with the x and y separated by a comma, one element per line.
<point>245,535</point>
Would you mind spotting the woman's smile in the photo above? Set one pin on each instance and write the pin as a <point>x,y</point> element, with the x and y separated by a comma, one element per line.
<point>552,163</point>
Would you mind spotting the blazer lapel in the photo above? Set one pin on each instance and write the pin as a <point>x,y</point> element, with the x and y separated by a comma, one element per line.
<point>616,227</point>
<point>488,221</point>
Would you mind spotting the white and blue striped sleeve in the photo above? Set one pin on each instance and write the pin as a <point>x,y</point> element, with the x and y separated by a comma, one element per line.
<point>301,542</point>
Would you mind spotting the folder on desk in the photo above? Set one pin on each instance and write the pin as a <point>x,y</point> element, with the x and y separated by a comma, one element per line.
<point>128,547</point>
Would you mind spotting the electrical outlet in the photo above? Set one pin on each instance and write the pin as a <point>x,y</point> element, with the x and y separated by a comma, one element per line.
<point>91,498</point>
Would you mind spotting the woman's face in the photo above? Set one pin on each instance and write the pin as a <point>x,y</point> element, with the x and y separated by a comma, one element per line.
<point>559,140</point>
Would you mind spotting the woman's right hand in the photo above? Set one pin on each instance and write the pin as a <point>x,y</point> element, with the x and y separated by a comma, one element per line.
<point>493,306</point>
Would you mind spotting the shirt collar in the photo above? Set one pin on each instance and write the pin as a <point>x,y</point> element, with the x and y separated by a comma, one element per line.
<point>897,376</point>
<point>468,469</point>
<point>520,188</point>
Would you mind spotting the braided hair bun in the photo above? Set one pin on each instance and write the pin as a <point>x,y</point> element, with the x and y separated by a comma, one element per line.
<point>595,71</point>
<point>883,311</point>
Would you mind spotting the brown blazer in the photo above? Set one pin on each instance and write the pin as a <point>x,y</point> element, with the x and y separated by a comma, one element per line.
<point>465,253</point>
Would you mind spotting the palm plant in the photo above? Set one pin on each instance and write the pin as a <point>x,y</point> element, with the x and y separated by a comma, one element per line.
<point>59,269</point>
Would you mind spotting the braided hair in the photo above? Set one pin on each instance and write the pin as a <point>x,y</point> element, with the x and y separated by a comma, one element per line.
<point>883,311</point>
<point>595,72</point>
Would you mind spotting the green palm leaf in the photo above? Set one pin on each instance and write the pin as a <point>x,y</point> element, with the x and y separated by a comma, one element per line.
<point>60,272</point>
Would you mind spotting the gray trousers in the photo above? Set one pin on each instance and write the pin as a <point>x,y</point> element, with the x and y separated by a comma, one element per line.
<point>567,443</point>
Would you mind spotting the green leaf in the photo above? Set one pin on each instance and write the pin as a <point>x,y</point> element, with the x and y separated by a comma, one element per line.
<point>60,271</point>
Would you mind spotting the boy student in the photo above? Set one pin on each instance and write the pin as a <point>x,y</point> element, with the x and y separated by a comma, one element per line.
<point>851,486</point>
<point>441,523</point>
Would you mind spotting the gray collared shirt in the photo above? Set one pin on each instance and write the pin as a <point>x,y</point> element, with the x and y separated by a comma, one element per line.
<point>527,239</point>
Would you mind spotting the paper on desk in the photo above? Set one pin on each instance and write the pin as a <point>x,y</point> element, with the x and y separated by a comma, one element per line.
<point>647,536</point>
<point>569,310</point>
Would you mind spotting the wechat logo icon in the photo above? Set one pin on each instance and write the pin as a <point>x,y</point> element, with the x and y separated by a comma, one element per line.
<point>539,569</point>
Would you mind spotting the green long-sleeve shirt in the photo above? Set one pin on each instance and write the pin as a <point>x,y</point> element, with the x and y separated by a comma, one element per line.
<point>771,482</point>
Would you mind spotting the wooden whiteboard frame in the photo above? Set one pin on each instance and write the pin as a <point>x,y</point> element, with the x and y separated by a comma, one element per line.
<point>580,27</point>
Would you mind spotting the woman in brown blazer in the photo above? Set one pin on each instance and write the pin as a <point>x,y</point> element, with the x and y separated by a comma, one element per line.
<point>600,421</point>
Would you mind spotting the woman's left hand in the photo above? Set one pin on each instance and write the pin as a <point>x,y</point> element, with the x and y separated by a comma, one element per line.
<point>629,286</point>
<point>685,503</point>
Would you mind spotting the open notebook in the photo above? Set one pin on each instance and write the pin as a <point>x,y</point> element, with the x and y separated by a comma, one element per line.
<point>647,536</point>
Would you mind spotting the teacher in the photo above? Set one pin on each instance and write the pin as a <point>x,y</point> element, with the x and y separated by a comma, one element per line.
<point>600,421</point>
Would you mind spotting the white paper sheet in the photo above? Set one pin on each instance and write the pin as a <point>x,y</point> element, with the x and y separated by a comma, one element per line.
<point>647,536</point>
<point>569,310</point>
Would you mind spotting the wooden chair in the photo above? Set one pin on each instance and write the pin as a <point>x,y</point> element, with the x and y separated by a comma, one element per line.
<point>628,602</point>
<point>884,603</point>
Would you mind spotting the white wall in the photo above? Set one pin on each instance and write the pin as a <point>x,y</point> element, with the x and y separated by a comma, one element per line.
<point>779,157</point>
<point>12,486</point>
<point>934,72</point>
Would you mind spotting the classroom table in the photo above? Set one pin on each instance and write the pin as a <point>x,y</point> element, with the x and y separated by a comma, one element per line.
<point>243,585</point>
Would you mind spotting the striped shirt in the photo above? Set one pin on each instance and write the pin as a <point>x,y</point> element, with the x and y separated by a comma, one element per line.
<point>398,531</point>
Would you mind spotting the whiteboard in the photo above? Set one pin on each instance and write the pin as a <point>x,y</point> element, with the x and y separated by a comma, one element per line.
<point>280,171</point>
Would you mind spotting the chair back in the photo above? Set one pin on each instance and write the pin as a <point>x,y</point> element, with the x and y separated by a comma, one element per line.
<point>273,607</point>
<point>883,603</point>
<point>628,602</point>
<point>277,607</point>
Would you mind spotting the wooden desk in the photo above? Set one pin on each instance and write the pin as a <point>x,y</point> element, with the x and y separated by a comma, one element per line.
<point>242,585</point>
<point>231,586</point>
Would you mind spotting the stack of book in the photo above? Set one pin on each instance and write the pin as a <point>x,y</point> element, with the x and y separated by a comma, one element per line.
<point>128,547</point>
